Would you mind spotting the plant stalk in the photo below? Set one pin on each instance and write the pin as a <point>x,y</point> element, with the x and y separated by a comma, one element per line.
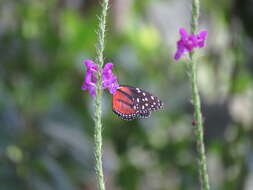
<point>99,92</point>
<point>197,105</point>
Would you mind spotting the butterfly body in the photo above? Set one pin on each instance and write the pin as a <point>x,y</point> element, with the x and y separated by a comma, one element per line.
<point>130,102</point>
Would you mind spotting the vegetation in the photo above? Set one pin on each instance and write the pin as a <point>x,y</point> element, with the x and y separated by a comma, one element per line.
<point>46,120</point>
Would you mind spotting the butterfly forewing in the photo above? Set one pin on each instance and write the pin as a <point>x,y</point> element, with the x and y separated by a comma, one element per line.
<point>122,103</point>
<point>131,102</point>
<point>144,101</point>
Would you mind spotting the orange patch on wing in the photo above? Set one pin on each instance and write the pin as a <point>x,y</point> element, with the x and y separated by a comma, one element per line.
<point>121,102</point>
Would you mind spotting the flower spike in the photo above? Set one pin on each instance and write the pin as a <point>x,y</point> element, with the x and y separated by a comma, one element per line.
<point>109,80</point>
<point>189,41</point>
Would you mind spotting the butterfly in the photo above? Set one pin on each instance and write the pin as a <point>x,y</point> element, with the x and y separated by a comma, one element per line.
<point>129,102</point>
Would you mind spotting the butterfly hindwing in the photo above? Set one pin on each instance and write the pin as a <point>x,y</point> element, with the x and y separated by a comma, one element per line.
<point>131,102</point>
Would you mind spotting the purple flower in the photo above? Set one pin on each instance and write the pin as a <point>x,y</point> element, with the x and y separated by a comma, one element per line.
<point>189,42</point>
<point>90,79</point>
<point>109,80</point>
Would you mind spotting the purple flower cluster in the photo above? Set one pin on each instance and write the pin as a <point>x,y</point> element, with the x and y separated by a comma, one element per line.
<point>109,80</point>
<point>189,42</point>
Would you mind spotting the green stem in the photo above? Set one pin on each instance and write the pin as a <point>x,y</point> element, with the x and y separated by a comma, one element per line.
<point>98,101</point>
<point>197,105</point>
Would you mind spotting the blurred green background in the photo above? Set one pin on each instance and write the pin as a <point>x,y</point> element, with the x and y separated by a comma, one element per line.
<point>46,125</point>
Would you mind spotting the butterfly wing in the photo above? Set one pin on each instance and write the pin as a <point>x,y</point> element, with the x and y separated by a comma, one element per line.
<point>131,102</point>
<point>123,104</point>
<point>145,102</point>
